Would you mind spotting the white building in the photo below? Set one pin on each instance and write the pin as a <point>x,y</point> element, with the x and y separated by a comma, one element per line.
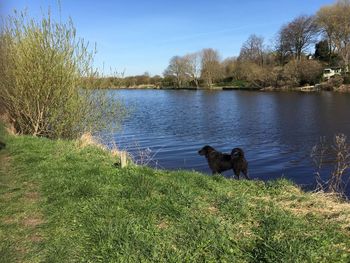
<point>330,72</point>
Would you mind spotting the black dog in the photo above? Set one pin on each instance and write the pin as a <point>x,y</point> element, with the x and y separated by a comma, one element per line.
<point>239,163</point>
<point>219,162</point>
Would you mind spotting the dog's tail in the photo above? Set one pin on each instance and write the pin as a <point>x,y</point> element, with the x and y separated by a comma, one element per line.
<point>237,153</point>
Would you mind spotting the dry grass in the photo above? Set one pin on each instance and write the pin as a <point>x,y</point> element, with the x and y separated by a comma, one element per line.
<point>33,220</point>
<point>87,139</point>
<point>9,220</point>
<point>31,196</point>
<point>213,210</point>
<point>163,224</point>
<point>6,120</point>
<point>327,205</point>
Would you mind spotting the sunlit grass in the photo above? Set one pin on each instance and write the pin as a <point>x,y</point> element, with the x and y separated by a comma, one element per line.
<point>92,212</point>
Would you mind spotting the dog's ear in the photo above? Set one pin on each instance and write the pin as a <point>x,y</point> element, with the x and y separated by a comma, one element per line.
<point>208,148</point>
<point>241,152</point>
<point>205,150</point>
<point>237,153</point>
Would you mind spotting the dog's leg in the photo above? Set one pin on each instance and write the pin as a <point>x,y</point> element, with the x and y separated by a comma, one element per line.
<point>245,172</point>
<point>236,173</point>
<point>216,172</point>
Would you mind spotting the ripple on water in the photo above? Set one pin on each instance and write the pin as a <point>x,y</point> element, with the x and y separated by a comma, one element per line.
<point>276,130</point>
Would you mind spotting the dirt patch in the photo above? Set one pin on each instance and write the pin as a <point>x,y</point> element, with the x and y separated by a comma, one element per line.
<point>245,230</point>
<point>29,185</point>
<point>163,225</point>
<point>9,220</point>
<point>33,221</point>
<point>213,209</point>
<point>5,163</point>
<point>7,197</point>
<point>32,196</point>
<point>36,238</point>
<point>22,220</point>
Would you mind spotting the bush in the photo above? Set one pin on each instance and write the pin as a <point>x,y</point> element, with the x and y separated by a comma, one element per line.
<point>256,75</point>
<point>310,72</point>
<point>298,73</point>
<point>289,75</point>
<point>346,78</point>
<point>42,67</point>
<point>337,154</point>
<point>335,81</point>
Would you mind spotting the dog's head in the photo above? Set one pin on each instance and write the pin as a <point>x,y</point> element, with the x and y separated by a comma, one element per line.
<point>206,150</point>
<point>237,153</point>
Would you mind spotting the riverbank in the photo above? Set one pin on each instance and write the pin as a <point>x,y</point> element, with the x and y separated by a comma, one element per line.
<point>312,88</point>
<point>64,201</point>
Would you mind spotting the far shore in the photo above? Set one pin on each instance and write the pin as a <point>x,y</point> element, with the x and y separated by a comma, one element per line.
<point>308,88</point>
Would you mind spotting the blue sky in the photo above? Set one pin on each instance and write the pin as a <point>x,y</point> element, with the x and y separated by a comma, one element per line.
<point>140,36</point>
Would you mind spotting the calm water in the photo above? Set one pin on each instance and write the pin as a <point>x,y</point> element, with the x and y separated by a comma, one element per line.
<point>276,130</point>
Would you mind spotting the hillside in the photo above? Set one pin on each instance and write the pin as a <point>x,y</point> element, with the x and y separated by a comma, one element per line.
<point>61,201</point>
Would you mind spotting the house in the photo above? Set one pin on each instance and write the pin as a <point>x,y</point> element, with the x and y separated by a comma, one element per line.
<point>330,72</point>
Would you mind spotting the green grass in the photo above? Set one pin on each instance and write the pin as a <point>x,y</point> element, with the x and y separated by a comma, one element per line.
<point>85,210</point>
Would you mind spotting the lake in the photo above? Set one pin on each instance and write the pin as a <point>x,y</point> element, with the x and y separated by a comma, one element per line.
<point>277,130</point>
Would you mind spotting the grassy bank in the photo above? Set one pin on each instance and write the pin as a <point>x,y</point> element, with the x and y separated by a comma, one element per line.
<point>61,202</point>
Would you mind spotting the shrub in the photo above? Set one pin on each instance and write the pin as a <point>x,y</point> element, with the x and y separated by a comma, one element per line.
<point>309,72</point>
<point>289,75</point>
<point>337,154</point>
<point>42,67</point>
<point>346,78</point>
<point>335,81</point>
<point>256,75</point>
<point>296,73</point>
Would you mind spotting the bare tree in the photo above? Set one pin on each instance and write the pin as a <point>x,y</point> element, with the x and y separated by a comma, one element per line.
<point>298,35</point>
<point>210,64</point>
<point>282,48</point>
<point>253,50</point>
<point>325,18</point>
<point>334,21</point>
<point>177,69</point>
<point>193,66</point>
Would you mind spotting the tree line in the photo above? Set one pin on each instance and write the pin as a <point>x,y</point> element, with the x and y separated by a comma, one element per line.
<point>285,61</point>
<point>117,80</point>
